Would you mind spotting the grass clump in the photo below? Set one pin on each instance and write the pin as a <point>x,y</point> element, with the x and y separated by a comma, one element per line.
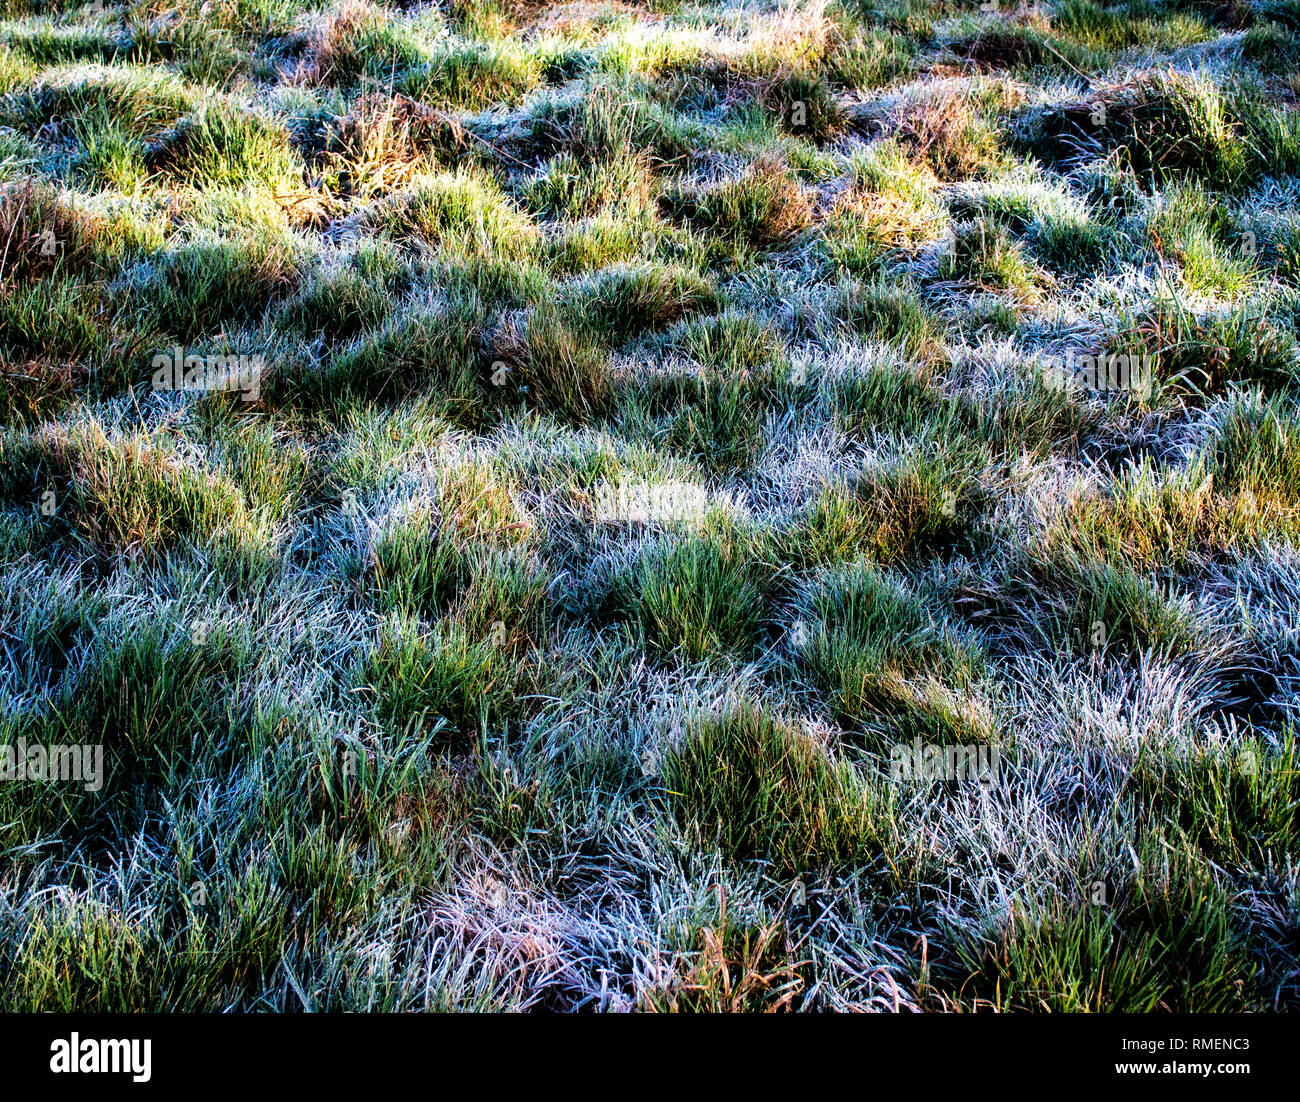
<point>45,234</point>
<point>899,510</point>
<point>983,252</point>
<point>696,599</point>
<point>446,682</point>
<point>888,666</point>
<point>463,212</point>
<point>133,496</point>
<point>542,356</point>
<point>1164,126</point>
<point>1166,940</point>
<point>762,209</point>
<point>222,145</point>
<point>756,786</point>
<point>1204,354</point>
<point>626,300</point>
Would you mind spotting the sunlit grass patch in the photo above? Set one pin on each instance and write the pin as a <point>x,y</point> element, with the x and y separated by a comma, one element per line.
<point>138,496</point>
<point>1109,607</point>
<point>1148,517</point>
<point>472,75</point>
<point>711,408</point>
<point>428,349</point>
<point>383,144</point>
<point>463,212</point>
<point>423,556</point>
<point>900,510</point>
<point>890,209</point>
<point>1112,28</point>
<point>572,189</point>
<point>1203,236</point>
<point>890,311</point>
<point>141,100</point>
<point>950,132</point>
<point>45,232</point>
<point>224,144</point>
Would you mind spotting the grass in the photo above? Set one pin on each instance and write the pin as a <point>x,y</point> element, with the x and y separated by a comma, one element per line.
<point>655,436</point>
<point>765,788</point>
<point>694,600</point>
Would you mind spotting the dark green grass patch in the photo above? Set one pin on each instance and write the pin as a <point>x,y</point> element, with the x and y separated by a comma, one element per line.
<point>1201,355</point>
<point>886,663</point>
<point>696,599</point>
<point>918,503</point>
<point>541,357</point>
<point>1166,939</point>
<point>1237,804</point>
<point>447,682</point>
<point>189,290</point>
<point>1164,126</point>
<point>428,350</point>
<point>625,300</point>
<point>755,786</point>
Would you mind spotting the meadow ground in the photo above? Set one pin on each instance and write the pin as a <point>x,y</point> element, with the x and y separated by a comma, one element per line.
<point>650,425</point>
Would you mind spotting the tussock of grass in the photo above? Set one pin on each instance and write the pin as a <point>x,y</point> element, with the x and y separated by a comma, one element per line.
<point>189,290</point>
<point>762,209</point>
<point>383,144</point>
<point>755,786</point>
<point>1164,126</point>
<point>626,300</point>
<point>1204,354</point>
<point>983,252</point>
<point>949,133</point>
<point>220,144</point>
<point>696,599</point>
<point>463,212</point>
<point>132,496</point>
<point>448,682</point>
<point>886,664</point>
<point>1166,940</point>
<point>572,189</point>
<point>473,75</point>
<point>43,233</point>
<point>540,356</point>
<point>427,350</point>
<point>888,311</point>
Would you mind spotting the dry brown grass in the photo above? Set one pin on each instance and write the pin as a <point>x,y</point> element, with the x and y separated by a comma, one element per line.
<point>332,47</point>
<point>40,232</point>
<point>386,142</point>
